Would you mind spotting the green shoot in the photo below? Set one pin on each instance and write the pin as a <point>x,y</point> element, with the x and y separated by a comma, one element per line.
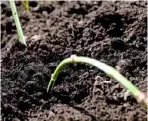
<point>26,4</point>
<point>17,22</point>
<point>140,96</point>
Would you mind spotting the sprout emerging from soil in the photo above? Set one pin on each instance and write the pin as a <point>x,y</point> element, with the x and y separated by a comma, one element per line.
<point>110,71</point>
<point>17,22</point>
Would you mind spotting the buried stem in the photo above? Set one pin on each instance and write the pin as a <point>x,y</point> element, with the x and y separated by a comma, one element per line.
<point>140,96</point>
<point>17,22</point>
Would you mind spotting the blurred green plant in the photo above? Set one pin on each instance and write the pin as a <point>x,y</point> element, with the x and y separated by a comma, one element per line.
<point>110,71</point>
<point>26,4</point>
<point>17,22</point>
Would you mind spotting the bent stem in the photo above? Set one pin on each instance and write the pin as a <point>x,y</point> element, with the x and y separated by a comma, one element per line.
<point>110,71</point>
<point>17,22</point>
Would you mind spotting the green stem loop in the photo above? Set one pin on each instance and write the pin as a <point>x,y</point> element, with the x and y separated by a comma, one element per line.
<point>140,96</point>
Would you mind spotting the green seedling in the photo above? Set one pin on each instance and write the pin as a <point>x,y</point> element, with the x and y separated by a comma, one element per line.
<point>17,22</point>
<point>110,71</point>
<point>26,4</point>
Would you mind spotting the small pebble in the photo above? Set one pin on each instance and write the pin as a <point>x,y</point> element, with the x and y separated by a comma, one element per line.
<point>51,114</point>
<point>45,13</point>
<point>126,95</point>
<point>30,85</point>
<point>36,38</point>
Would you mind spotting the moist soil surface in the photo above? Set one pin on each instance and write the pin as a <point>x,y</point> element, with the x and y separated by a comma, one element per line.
<point>112,32</point>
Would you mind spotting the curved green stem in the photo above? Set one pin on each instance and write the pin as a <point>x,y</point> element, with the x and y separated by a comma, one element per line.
<point>140,96</point>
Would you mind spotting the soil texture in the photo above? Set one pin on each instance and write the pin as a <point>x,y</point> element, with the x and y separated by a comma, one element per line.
<point>113,32</point>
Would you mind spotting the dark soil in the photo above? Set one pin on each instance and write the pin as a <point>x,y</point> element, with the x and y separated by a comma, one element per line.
<point>112,32</point>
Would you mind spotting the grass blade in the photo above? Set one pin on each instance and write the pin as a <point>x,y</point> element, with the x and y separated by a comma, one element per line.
<point>26,4</point>
<point>17,22</point>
